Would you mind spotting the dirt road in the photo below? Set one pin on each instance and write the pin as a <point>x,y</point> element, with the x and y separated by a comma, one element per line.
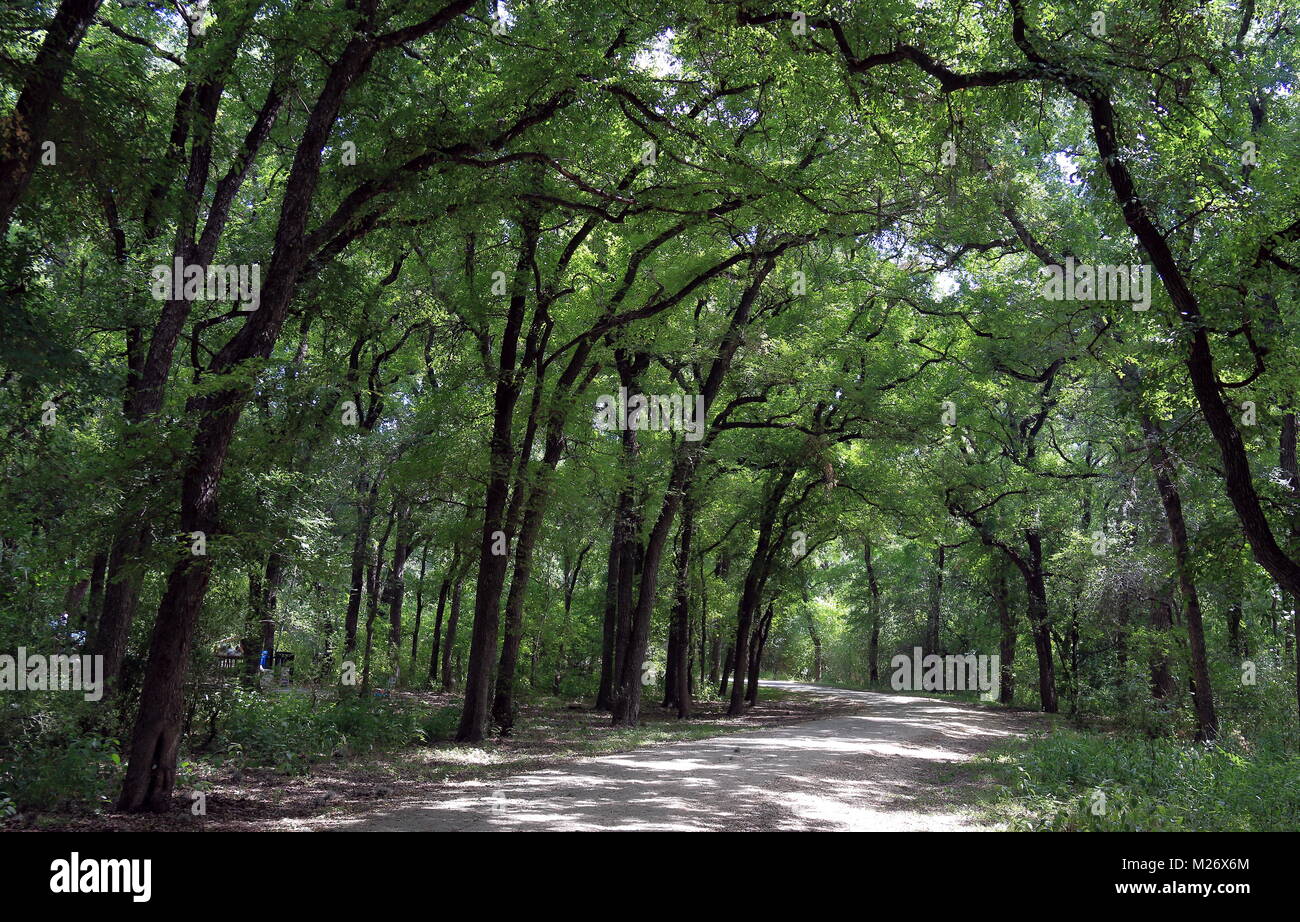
<point>885,768</point>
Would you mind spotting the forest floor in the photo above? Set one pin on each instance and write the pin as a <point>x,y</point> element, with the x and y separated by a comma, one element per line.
<point>893,762</point>
<point>805,757</point>
<point>550,733</point>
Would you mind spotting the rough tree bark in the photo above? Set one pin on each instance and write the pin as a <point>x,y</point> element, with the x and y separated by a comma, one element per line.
<point>501,460</point>
<point>155,739</point>
<point>149,364</point>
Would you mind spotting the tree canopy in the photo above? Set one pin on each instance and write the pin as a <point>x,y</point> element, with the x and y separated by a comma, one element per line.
<point>628,352</point>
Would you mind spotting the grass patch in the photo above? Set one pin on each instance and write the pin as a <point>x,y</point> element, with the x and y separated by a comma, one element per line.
<point>1071,780</point>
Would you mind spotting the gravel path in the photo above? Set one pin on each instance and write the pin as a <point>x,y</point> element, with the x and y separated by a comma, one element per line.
<point>885,768</point>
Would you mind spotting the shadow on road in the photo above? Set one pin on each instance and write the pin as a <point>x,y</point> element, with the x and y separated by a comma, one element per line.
<point>880,769</point>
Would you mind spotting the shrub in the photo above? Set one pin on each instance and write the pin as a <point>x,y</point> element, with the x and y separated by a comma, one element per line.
<point>1149,784</point>
<point>441,724</point>
<point>289,730</point>
<point>48,760</point>
<point>52,776</point>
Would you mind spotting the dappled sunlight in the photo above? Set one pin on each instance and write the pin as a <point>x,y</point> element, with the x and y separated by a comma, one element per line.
<point>464,756</point>
<point>875,770</point>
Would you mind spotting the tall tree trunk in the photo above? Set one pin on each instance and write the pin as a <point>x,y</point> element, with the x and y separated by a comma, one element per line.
<point>1030,565</point>
<point>437,629</point>
<point>155,740</point>
<point>679,672</point>
<point>1236,642</point>
<point>453,618</point>
<point>1163,687</point>
<point>570,587</point>
<point>1036,587</point>
<point>629,515</point>
<point>609,626</point>
<point>374,583</point>
<point>1290,465</point>
<point>755,580</point>
<point>501,451</point>
<point>259,633</point>
<point>419,610</point>
<point>369,492</point>
<point>631,565</point>
<point>873,646</point>
<point>1141,218</point>
<point>504,705</point>
<point>397,583</point>
<point>627,703</point>
<point>756,658</point>
<point>1207,720</point>
<point>727,662</point>
<point>149,364</point>
<point>252,642</point>
<point>936,603</point>
<point>1007,630</point>
<point>671,653</point>
<point>1070,658</point>
<point>124,578</point>
<point>749,600</point>
<point>271,583</point>
<point>708,660</point>
<point>151,771</point>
